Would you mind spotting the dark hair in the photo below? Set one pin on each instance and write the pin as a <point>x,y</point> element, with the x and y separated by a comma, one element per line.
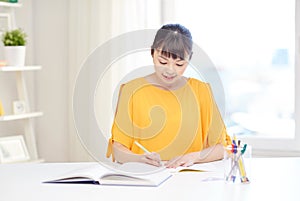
<point>174,40</point>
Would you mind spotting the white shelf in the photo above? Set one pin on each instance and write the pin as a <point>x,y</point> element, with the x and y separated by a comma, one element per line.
<point>20,116</point>
<point>29,130</point>
<point>7,4</point>
<point>39,160</point>
<point>20,68</point>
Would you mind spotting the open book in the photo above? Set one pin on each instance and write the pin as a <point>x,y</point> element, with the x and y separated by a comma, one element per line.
<point>215,166</point>
<point>128,174</point>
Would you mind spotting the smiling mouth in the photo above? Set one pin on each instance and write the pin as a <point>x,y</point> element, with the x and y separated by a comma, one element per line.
<point>169,77</point>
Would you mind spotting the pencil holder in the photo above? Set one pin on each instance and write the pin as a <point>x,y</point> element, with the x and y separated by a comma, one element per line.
<point>237,162</point>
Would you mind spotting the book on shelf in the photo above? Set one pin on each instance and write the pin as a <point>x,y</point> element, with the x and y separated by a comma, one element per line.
<point>127,174</point>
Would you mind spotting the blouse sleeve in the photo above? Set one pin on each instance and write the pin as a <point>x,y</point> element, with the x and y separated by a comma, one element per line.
<point>217,133</point>
<point>122,126</point>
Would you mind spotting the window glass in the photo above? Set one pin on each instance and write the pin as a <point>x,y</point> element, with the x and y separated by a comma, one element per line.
<point>252,44</point>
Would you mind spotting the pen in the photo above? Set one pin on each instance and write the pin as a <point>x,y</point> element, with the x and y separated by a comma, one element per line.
<point>145,150</point>
<point>142,147</point>
<point>238,161</point>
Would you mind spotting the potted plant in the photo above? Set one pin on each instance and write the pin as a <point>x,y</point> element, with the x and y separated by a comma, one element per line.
<point>14,47</point>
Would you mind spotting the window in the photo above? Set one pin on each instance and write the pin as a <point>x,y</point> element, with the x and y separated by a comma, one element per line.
<point>252,44</point>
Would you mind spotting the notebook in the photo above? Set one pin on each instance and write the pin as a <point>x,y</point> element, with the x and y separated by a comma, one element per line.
<point>127,174</point>
<point>215,166</point>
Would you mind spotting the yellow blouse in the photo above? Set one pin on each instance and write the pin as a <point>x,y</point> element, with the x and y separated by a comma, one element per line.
<point>171,123</point>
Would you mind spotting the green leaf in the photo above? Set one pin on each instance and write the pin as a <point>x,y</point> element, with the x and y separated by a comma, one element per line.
<point>16,37</point>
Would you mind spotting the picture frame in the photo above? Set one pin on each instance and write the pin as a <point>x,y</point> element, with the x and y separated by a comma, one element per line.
<point>5,22</point>
<point>19,107</point>
<point>13,149</point>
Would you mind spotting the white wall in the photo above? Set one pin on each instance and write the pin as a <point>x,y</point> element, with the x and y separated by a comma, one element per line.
<point>50,28</point>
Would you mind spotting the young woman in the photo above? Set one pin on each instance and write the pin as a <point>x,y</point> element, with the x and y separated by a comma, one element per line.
<point>172,116</point>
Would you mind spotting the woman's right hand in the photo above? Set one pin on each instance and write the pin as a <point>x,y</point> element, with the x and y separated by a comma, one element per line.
<point>123,155</point>
<point>152,159</point>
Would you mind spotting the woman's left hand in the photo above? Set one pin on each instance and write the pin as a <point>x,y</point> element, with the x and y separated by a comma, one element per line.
<point>185,160</point>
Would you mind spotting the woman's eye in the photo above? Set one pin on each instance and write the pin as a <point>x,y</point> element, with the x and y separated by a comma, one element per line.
<point>163,63</point>
<point>179,64</point>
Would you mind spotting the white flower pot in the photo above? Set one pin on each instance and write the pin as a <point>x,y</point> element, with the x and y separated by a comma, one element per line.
<point>15,55</point>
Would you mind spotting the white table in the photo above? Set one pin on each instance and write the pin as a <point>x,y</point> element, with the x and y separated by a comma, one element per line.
<point>271,179</point>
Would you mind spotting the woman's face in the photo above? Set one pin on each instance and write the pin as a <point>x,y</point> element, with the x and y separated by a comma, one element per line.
<point>168,70</point>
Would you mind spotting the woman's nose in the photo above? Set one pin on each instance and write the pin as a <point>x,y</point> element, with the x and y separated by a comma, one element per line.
<point>171,68</point>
